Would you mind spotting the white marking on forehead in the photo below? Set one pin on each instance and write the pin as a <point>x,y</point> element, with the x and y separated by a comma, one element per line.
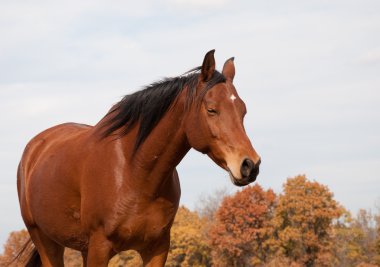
<point>229,91</point>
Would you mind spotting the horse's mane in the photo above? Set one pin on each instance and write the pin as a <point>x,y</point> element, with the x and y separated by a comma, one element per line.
<point>150,104</point>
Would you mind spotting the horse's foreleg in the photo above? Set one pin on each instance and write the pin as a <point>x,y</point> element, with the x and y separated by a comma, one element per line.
<point>156,256</point>
<point>99,250</point>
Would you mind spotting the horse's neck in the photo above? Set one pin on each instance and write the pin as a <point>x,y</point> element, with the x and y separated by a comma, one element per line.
<point>166,144</point>
<point>156,159</point>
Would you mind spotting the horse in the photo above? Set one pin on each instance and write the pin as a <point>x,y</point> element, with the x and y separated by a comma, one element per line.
<point>113,186</point>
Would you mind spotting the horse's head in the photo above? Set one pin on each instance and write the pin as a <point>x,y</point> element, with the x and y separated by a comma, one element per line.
<point>214,125</point>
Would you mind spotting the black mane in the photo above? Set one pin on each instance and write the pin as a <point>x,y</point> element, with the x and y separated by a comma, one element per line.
<point>149,105</point>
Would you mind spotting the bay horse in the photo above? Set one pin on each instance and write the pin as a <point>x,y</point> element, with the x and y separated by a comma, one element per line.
<point>114,186</point>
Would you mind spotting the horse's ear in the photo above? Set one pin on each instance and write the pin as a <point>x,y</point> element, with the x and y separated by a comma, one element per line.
<point>208,66</point>
<point>229,69</point>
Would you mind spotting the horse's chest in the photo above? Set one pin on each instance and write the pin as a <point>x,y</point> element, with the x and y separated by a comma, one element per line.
<point>138,229</point>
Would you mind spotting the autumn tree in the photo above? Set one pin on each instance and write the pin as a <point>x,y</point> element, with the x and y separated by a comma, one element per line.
<point>13,246</point>
<point>241,233</point>
<point>126,258</point>
<point>355,240</point>
<point>72,258</point>
<point>346,239</point>
<point>377,245</point>
<point>188,246</point>
<point>366,223</point>
<point>303,221</point>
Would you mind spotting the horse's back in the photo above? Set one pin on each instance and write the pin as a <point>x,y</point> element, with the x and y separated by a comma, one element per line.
<point>59,134</point>
<point>44,140</point>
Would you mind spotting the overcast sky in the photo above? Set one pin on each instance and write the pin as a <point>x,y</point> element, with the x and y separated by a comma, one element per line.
<point>309,72</point>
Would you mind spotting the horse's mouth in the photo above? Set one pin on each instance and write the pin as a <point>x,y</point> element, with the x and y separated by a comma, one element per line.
<point>243,181</point>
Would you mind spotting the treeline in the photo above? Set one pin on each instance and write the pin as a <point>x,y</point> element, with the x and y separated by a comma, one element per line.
<point>302,226</point>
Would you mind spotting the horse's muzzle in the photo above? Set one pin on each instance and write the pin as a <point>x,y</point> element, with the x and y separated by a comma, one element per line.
<point>249,172</point>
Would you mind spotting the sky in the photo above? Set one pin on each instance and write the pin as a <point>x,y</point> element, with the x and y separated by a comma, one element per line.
<point>308,71</point>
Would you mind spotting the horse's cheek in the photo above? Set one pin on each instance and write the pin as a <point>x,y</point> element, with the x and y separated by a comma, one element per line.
<point>197,137</point>
<point>213,126</point>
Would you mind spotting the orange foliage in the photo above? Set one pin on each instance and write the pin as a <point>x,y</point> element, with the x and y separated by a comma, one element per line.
<point>12,247</point>
<point>72,258</point>
<point>188,246</point>
<point>240,235</point>
<point>355,240</point>
<point>303,221</point>
<point>377,244</point>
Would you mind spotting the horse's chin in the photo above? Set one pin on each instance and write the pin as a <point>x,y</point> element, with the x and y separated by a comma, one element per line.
<point>241,182</point>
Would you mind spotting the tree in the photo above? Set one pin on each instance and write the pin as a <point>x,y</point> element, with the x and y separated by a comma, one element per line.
<point>241,233</point>
<point>126,258</point>
<point>72,258</point>
<point>377,246</point>
<point>188,246</point>
<point>365,222</point>
<point>377,242</point>
<point>355,240</point>
<point>303,222</point>
<point>13,247</point>
<point>347,250</point>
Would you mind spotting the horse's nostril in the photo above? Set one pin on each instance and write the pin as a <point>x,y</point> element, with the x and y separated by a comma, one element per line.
<point>247,167</point>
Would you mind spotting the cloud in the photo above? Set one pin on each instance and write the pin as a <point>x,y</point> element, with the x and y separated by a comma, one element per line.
<point>371,57</point>
<point>198,4</point>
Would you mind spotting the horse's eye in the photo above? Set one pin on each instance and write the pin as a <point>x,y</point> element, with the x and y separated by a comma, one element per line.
<point>211,111</point>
